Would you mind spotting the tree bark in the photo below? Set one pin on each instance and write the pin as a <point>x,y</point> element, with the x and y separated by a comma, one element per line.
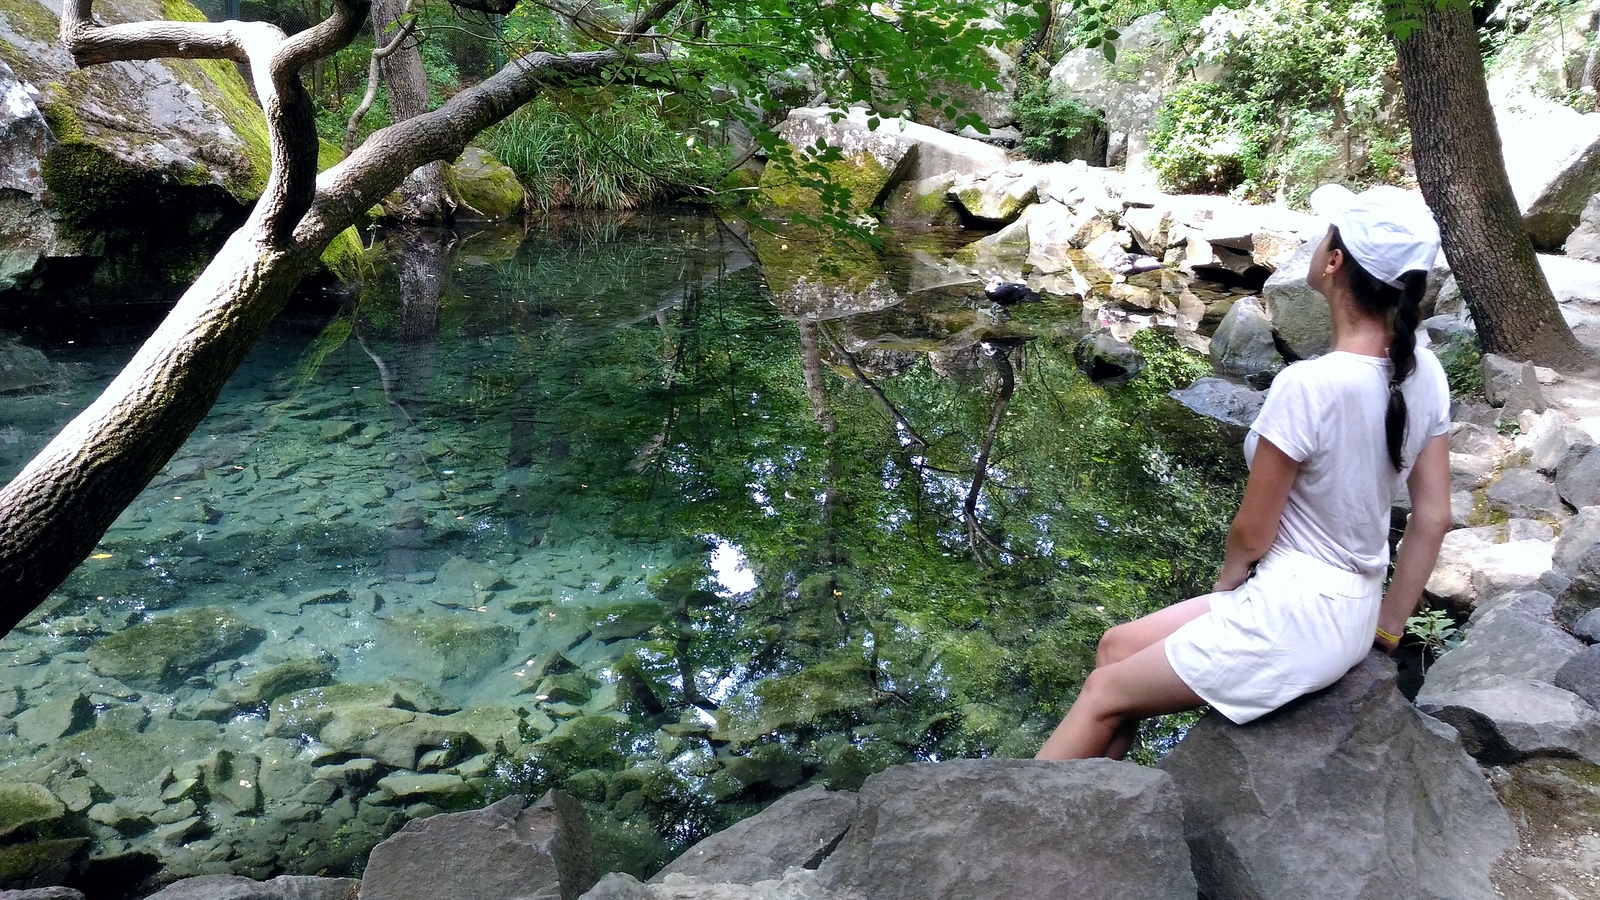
<point>1461,170</point>
<point>423,196</point>
<point>55,510</point>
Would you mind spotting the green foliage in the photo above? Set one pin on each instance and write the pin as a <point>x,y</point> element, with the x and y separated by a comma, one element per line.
<point>1437,632</point>
<point>615,149</point>
<point>1463,366</point>
<point>1295,75</point>
<point>1051,123</point>
<point>1168,366</point>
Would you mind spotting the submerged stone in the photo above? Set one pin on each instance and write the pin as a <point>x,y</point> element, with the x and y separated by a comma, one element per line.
<point>267,685</point>
<point>627,620</point>
<point>451,649</point>
<point>162,652</point>
<point>28,809</point>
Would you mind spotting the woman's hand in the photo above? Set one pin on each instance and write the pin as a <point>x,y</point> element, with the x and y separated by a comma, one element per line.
<point>1255,525</point>
<point>1231,577</point>
<point>1388,636</point>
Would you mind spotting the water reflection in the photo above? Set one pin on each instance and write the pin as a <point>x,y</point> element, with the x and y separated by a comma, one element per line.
<point>613,508</point>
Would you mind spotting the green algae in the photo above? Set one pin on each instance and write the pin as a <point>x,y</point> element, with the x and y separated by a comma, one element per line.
<point>28,809</point>
<point>165,650</point>
<point>860,174</point>
<point>39,863</point>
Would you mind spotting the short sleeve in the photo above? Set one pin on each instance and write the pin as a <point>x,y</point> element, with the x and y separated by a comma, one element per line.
<point>1289,417</point>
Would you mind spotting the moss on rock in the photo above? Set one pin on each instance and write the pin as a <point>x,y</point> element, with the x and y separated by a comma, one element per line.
<point>28,809</point>
<point>162,652</point>
<point>41,863</point>
<point>485,186</point>
<point>859,173</point>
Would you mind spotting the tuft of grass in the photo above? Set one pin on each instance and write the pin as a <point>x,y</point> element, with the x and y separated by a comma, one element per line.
<point>617,149</point>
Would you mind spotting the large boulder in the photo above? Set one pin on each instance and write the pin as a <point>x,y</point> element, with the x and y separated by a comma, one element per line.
<point>796,884</point>
<point>875,159</point>
<point>504,851</point>
<point>1127,92</point>
<point>485,187</point>
<point>1234,405</point>
<point>1349,793</point>
<point>801,829</point>
<point>1584,241</point>
<point>1018,829</point>
<point>1242,343</point>
<point>1299,314</point>
<point>1503,640</point>
<point>143,169</point>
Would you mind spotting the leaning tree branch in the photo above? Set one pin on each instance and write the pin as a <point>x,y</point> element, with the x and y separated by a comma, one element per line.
<point>374,70</point>
<point>369,174</point>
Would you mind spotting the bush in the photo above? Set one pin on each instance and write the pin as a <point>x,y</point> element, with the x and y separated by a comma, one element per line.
<point>1055,127</point>
<point>1297,76</point>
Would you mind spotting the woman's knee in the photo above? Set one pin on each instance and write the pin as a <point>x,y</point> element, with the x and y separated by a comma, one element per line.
<point>1117,644</point>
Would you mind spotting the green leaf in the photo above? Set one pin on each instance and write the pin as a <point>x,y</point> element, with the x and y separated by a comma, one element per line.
<point>1110,51</point>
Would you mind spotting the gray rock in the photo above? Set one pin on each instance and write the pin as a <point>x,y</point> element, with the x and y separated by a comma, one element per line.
<point>995,198</point>
<point>1581,675</point>
<point>22,368</point>
<point>1103,355</point>
<point>1242,344</point>
<point>921,201</point>
<point>501,851</point>
<point>1584,241</point>
<point>1551,439</point>
<point>796,884</point>
<point>1500,642</point>
<point>1588,626</point>
<point>1530,530</point>
<point>46,893</point>
<point>1536,605</point>
<point>1575,552</point>
<point>1508,719</point>
<point>1299,314</point>
<point>1475,563</point>
<point>1055,229</point>
<point>1524,493</point>
<point>1018,829</point>
<point>1468,439</point>
<point>1578,475</point>
<point>1552,212</point>
<point>1217,398</point>
<point>1284,808</point>
<point>801,829</point>
<point>1580,597</point>
<point>1129,93</point>
<point>237,887</point>
<point>1511,385</point>
<point>55,719</point>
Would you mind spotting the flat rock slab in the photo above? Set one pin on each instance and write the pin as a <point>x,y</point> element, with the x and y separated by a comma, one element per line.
<point>799,830</point>
<point>1509,720</point>
<point>502,851</point>
<point>237,887</point>
<point>1019,829</point>
<point>1349,793</point>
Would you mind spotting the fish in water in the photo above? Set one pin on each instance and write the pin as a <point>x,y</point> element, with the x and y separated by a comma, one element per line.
<point>1007,293</point>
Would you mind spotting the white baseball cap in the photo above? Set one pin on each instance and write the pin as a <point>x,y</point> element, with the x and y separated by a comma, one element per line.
<point>1388,230</point>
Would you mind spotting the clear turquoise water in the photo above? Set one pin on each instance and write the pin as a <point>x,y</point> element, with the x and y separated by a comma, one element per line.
<point>735,530</point>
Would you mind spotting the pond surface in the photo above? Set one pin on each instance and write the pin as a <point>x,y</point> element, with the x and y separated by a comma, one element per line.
<point>670,516</point>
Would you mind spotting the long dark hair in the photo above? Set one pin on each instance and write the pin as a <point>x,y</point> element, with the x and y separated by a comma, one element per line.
<point>1380,298</point>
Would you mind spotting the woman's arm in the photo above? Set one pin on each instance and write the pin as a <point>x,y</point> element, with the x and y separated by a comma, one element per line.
<point>1429,484</point>
<point>1255,526</point>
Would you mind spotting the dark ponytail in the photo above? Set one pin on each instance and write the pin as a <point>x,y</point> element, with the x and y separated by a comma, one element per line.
<point>1379,298</point>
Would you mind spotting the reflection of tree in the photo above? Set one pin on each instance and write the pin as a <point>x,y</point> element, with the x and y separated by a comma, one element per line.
<point>873,389</point>
<point>977,537</point>
<point>422,262</point>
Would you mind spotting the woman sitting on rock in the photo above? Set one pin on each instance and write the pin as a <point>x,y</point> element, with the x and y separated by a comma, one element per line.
<point>1301,594</point>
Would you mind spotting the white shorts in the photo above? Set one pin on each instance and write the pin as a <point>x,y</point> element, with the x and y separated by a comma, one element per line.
<point>1295,627</point>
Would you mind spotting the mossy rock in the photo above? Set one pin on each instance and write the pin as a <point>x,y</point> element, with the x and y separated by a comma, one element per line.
<point>626,620</point>
<point>268,685</point>
<point>160,653</point>
<point>766,769</point>
<point>486,188</point>
<point>307,711</point>
<point>41,863</point>
<point>587,742</point>
<point>838,684</point>
<point>859,173</point>
<point>345,257</point>
<point>29,809</point>
<point>448,650</point>
<point>125,763</point>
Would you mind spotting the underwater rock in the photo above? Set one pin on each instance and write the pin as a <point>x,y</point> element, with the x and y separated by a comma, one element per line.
<point>55,719</point>
<point>411,786</point>
<point>123,763</point>
<point>627,620</point>
<point>22,368</point>
<point>162,652</point>
<point>34,864</point>
<point>503,850</point>
<point>267,685</point>
<point>1019,829</point>
<point>29,809</point>
<point>449,650</point>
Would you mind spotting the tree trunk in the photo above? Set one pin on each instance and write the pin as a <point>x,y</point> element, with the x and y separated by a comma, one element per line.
<point>1462,172</point>
<point>423,197</point>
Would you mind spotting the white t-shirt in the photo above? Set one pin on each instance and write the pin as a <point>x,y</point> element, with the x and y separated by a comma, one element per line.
<point>1327,414</point>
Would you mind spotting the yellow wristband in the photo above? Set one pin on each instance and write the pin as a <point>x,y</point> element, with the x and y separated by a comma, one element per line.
<point>1394,638</point>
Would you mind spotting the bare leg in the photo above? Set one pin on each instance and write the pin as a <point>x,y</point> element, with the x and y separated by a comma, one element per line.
<point>1115,696</point>
<point>1121,643</point>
